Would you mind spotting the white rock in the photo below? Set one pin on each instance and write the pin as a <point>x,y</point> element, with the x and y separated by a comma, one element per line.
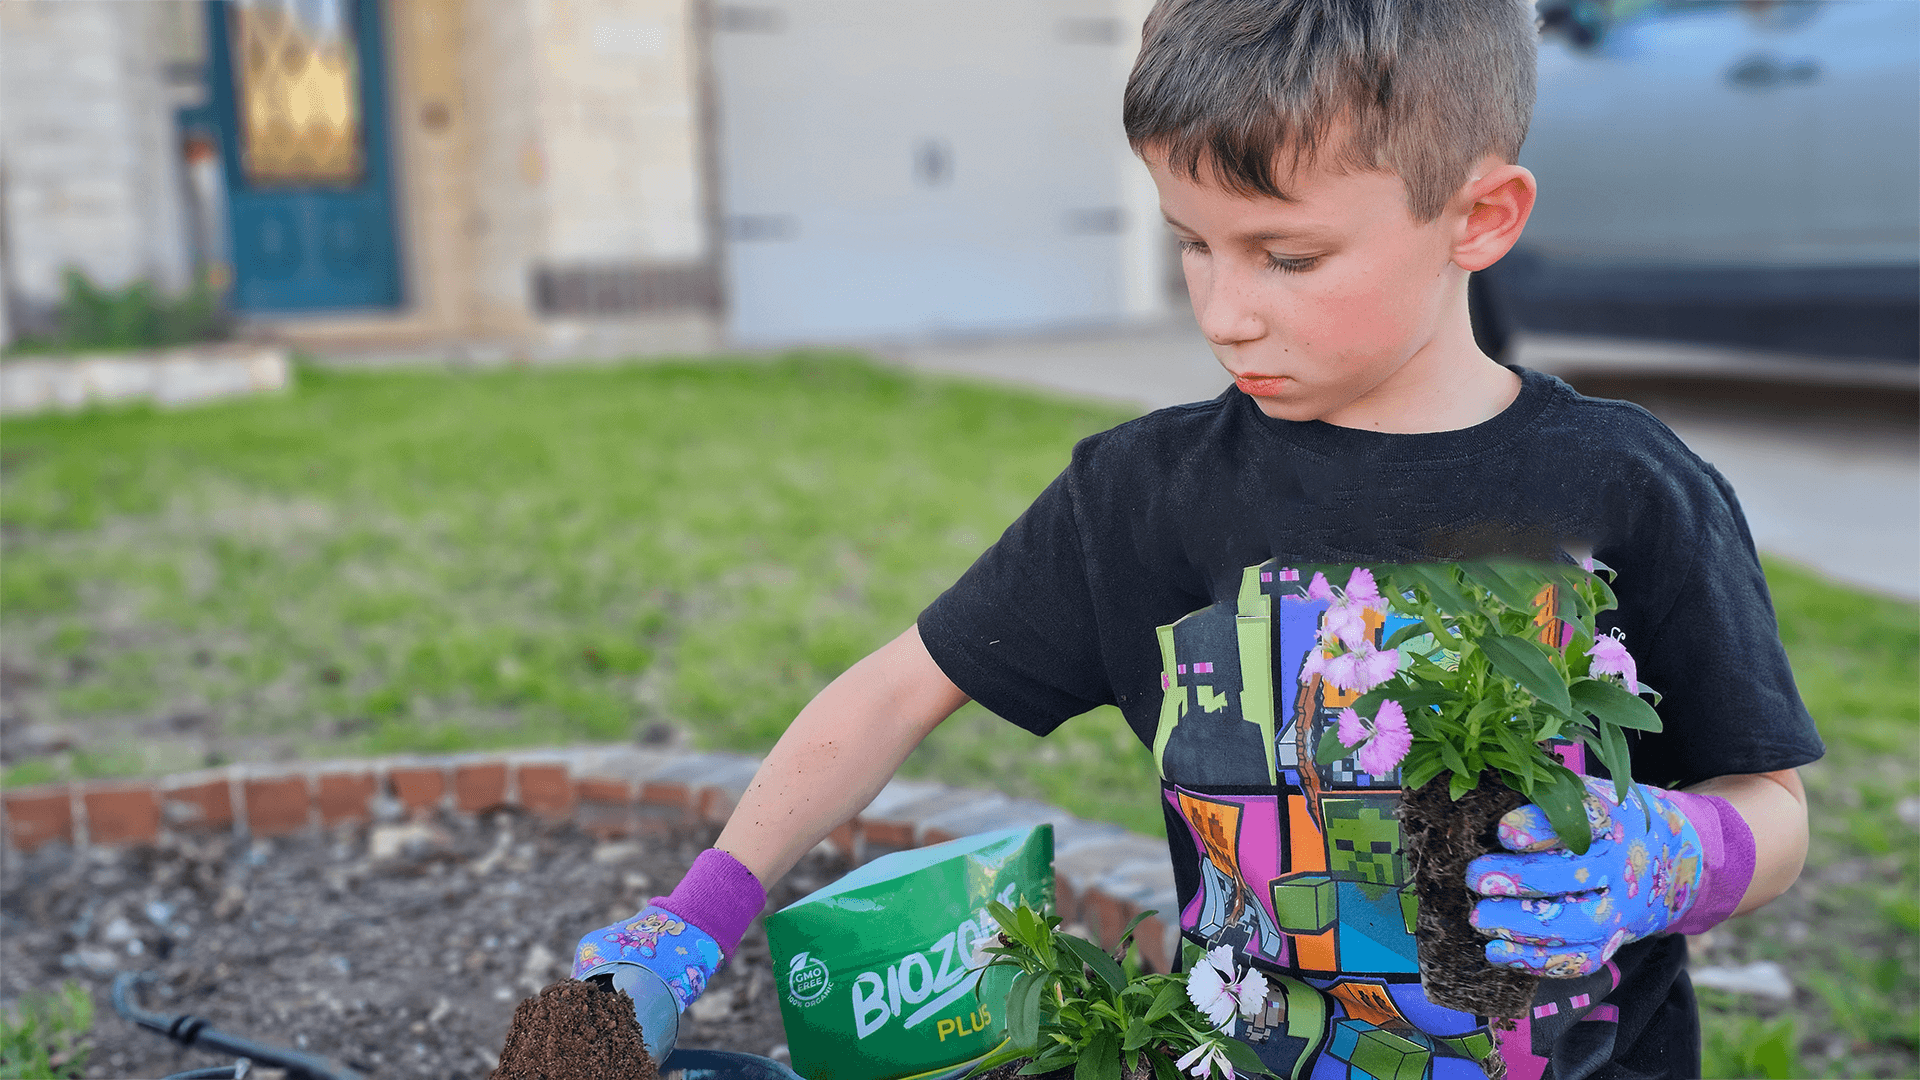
<point>713,1005</point>
<point>615,852</point>
<point>119,930</point>
<point>1762,979</point>
<point>390,841</point>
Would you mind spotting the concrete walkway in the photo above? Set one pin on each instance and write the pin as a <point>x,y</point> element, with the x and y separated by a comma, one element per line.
<point>1827,485</point>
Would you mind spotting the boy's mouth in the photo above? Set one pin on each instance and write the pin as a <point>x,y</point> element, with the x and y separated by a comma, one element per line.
<point>1261,385</point>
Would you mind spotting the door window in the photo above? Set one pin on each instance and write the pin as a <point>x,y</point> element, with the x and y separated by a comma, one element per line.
<point>296,76</point>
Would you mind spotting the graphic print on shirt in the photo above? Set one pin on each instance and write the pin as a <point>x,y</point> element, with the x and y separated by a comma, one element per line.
<point>1300,867</point>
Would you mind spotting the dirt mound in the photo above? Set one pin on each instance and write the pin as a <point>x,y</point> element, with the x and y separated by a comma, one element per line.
<point>574,1030</point>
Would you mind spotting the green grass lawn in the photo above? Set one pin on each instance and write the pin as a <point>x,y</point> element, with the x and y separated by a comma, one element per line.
<point>433,560</point>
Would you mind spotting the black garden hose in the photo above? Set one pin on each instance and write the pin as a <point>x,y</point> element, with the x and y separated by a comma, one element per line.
<point>216,1072</point>
<point>194,1031</point>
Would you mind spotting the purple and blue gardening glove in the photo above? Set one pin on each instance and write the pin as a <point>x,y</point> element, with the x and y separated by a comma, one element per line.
<point>1663,862</point>
<point>685,937</point>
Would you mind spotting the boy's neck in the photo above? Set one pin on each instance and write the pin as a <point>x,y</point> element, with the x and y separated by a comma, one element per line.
<point>1446,386</point>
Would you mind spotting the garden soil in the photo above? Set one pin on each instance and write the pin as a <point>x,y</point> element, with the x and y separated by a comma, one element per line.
<point>575,1030</point>
<point>399,949</point>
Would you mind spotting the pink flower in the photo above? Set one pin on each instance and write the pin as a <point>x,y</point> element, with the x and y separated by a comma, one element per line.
<point>1362,669</point>
<point>1314,664</point>
<point>1361,588</point>
<point>1318,589</point>
<point>1352,728</point>
<point>1610,657</point>
<point>1390,743</point>
<point>1346,622</point>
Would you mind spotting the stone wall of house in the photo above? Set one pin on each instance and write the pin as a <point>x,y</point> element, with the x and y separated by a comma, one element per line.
<point>91,175</point>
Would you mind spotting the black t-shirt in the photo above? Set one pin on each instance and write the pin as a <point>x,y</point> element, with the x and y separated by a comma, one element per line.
<point>1139,555</point>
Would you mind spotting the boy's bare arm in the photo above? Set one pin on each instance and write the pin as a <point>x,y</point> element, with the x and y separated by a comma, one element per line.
<point>1774,806</point>
<point>837,755</point>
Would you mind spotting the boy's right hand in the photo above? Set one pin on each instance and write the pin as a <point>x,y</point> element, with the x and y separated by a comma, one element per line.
<point>683,938</point>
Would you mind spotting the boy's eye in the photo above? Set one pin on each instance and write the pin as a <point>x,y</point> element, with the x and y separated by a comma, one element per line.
<point>1195,246</point>
<point>1292,266</point>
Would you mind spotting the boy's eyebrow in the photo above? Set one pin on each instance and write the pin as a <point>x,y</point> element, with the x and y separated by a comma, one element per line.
<point>1271,234</point>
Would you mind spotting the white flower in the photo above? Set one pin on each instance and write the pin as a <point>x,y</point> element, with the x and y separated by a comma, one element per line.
<point>1203,1059</point>
<point>1217,990</point>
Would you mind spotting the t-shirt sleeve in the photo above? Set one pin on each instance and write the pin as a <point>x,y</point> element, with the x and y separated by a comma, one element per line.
<point>1018,631</point>
<point>1707,640</point>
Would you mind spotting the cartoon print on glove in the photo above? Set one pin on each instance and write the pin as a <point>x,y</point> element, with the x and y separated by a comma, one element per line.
<point>1560,914</point>
<point>643,935</point>
<point>687,986</point>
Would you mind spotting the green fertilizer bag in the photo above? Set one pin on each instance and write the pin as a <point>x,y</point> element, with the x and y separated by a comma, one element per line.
<point>874,970</point>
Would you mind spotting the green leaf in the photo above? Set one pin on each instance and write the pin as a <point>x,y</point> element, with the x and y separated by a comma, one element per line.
<point>1162,1068</point>
<point>1331,749</point>
<point>1459,785</point>
<point>1450,754</point>
<point>1423,774</point>
<point>1526,663</point>
<point>1100,1060</point>
<point>1137,1034</point>
<point>1134,924</point>
<point>1613,704</point>
<point>1405,634</point>
<point>1243,1058</point>
<point>1490,578</point>
<point>1023,1009</point>
<point>998,1056</point>
<point>1096,958</point>
<point>1166,1001</point>
<point>1561,795</point>
<point>1618,759</point>
<point>1439,584</point>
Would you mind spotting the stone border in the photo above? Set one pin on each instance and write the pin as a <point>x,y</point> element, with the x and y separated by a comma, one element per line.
<point>1104,875</point>
<point>169,378</point>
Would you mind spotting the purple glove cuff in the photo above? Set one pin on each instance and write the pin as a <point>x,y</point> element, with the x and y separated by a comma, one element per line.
<point>721,897</point>
<point>1727,857</point>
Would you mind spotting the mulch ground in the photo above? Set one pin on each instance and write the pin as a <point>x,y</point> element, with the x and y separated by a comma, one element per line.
<point>400,949</point>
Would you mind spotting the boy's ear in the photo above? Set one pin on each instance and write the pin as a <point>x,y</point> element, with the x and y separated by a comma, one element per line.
<point>1492,209</point>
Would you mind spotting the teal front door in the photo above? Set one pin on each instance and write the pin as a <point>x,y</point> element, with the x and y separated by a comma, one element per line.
<point>299,96</point>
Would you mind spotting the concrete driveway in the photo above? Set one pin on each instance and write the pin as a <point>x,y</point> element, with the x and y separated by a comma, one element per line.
<point>1825,456</point>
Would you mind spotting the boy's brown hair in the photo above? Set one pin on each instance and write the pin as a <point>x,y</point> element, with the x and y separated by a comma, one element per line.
<point>1419,88</point>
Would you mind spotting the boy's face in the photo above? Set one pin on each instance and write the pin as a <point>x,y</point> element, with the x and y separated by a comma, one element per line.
<point>1319,305</point>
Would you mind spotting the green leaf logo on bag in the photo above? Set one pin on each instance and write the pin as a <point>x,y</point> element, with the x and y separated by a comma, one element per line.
<point>808,980</point>
<point>881,976</point>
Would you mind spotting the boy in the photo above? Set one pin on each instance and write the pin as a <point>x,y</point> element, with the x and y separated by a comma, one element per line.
<point>1334,170</point>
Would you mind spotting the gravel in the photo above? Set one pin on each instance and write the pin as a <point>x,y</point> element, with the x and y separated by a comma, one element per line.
<point>399,949</point>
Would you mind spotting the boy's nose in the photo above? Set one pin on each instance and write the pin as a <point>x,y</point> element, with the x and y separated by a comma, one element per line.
<point>1223,305</point>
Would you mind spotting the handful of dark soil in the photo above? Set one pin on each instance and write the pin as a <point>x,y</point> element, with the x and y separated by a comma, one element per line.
<point>575,1030</point>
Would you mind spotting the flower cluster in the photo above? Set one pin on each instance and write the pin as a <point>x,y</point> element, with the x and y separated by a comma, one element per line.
<point>1346,656</point>
<point>1487,666</point>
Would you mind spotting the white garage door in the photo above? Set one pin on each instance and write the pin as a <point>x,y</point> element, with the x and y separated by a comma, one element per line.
<point>913,167</point>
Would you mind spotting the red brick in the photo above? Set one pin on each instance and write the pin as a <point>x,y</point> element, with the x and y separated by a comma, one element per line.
<point>1151,936</point>
<point>664,793</point>
<point>1104,916</point>
<point>601,789</point>
<point>1064,898</point>
<point>418,788</point>
<point>886,835</point>
<point>122,814</point>
<point>198,806</point>
<point>480,786</point>
<point>715,804</point>
<point>39,816</point>
<point>345,797</point>
<point>276,805</point>
<point>845,841</point>
<point>545,790</point>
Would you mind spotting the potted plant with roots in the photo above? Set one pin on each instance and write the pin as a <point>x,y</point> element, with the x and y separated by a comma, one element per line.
<point>1491,666</point>
<point>1076,1010</point>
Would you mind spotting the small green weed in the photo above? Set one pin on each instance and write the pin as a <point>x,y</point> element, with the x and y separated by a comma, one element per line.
<point>137,316</point>
<point>44,1036</point>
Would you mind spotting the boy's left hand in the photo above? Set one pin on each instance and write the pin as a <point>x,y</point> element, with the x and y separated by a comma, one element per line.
<point>1560,914</point>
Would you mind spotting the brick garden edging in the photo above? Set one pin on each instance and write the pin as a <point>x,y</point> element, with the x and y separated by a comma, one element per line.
<point>1104,874</point>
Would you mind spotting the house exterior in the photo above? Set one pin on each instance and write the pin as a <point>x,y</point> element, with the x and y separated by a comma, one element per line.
<point>582,177</point>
